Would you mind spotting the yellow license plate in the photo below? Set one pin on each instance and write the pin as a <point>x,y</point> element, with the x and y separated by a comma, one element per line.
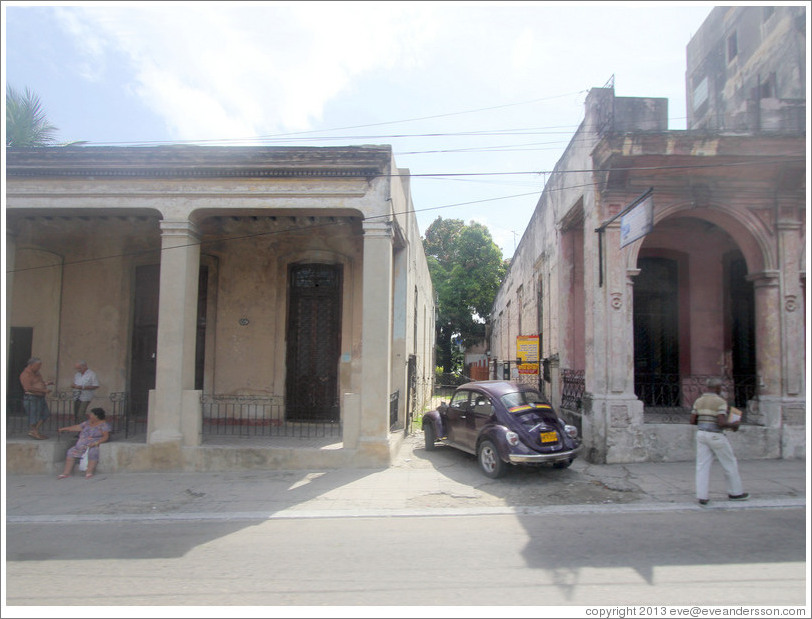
<point>549,437</point>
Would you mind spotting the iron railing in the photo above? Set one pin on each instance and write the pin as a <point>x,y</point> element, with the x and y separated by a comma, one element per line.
<point>668,398</point>
<point>60,405</point>
<point>249,416</point>
<point>573,385</point>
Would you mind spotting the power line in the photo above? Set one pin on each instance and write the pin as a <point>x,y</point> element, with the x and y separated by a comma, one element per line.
<point>773,160</point>
<point>362,126</point>
<point>446,206</point>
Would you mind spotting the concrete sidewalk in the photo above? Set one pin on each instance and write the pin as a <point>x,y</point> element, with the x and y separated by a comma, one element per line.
<point>440,482</point>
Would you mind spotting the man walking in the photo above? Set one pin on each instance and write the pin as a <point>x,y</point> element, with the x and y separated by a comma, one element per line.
<point>35,389</point>
<point>84,384</point>
<point>710,415</point>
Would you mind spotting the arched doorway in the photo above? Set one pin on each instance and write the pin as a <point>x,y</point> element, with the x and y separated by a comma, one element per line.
<point>694,317</point>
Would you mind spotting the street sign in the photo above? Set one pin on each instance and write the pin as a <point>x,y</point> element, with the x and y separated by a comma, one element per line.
<point>638,222</point>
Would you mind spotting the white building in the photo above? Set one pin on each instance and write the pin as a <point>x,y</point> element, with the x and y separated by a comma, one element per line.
<point>242,307</point>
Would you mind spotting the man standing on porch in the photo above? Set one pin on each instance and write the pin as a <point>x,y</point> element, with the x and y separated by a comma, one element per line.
<point>710,415</point>
<point>84,384</point>
<point>35,389</point>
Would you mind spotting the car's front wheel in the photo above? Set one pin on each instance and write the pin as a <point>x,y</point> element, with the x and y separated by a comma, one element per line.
<point>430,435</point>
<point>489,460</point>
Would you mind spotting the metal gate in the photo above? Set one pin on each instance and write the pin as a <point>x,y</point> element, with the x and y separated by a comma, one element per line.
<point>314,340</point>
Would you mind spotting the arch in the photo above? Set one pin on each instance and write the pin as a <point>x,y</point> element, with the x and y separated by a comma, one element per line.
<point>705,321</point>
<point>748,231</point>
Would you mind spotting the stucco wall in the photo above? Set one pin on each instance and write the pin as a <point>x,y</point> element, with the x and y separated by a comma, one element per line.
<point>570,268</point>
<point>253,212</point>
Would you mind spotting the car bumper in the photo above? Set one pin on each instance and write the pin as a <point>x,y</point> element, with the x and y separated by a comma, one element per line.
<point>537,458</point>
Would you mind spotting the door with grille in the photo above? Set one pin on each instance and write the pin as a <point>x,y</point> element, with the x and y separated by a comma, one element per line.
<point>314,342</point>
<point>656,333</point>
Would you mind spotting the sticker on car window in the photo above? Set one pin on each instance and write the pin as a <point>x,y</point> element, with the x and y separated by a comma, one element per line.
<point>528,407</point>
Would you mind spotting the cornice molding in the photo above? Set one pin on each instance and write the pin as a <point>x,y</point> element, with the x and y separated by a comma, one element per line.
<point>197,172</point>
<point>200,162</point>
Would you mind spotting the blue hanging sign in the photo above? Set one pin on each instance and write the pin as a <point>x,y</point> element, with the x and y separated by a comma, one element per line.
<point>638,222</point>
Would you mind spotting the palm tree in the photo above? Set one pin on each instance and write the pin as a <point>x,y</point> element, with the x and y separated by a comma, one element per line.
<point>26,123</point>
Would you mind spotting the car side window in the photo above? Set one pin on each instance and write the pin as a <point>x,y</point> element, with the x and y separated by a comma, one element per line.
<point>460,400</point>
<point>482,405</point>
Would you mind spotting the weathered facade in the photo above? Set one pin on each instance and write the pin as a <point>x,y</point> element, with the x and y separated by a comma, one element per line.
<point>277,295</point>
<point>630,328</point>
<point>746,70</point>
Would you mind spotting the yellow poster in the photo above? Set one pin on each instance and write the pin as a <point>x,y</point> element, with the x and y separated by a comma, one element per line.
<point>527,350</point>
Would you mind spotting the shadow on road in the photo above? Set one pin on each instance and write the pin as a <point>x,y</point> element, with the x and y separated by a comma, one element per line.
<point>49,519</point>
<point>564,546</point>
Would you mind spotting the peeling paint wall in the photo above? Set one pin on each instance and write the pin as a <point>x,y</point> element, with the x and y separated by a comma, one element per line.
<point>253,213</point>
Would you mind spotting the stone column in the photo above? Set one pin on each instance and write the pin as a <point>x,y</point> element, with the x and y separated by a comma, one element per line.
<point>793,411</point>
<point>618,321</point>
<point>768,344</point>
<point>173,415</point>
<point>613,413</point>
<point>376,340</point>
<point>790,248</point>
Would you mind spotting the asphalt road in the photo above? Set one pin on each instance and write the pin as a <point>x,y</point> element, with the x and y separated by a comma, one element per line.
<point>669,557</point>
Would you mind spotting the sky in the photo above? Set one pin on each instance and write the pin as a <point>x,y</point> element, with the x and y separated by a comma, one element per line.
<point>477,99</point>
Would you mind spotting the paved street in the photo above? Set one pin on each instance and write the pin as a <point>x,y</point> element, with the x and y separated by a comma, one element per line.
<point>534,559</point>
<point>429,530</point>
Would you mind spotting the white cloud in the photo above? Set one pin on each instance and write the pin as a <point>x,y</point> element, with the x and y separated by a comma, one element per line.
<point>217,71</point>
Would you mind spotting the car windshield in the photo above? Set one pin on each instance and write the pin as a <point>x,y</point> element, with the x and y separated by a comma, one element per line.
<point>520,401</point>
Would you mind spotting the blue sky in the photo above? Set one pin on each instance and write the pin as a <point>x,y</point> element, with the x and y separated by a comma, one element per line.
<point>485,90</point>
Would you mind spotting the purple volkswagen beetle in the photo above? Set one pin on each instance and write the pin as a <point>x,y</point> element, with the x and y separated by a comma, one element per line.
<point>502,423</point>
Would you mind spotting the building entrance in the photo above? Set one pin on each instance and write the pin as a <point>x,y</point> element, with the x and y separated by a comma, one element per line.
<point>314,342</point>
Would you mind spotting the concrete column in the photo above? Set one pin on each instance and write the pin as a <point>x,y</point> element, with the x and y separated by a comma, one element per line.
<point>613,416</point>
<point>768,339</point>
<point>618,320</point>
<point>376,339</point>
<point>790,248</point>
<point>172,416</point>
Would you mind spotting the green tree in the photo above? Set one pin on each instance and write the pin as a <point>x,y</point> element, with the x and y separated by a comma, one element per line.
<point>26,122</point>
<point>467,269</point>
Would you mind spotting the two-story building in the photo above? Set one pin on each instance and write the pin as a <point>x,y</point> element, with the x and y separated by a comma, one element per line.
<point>657,258</point>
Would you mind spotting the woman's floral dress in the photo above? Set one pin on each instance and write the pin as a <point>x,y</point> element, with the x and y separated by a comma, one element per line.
<point>87,435</point>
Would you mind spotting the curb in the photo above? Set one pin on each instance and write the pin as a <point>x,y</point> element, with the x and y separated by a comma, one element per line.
<point>440,512</point>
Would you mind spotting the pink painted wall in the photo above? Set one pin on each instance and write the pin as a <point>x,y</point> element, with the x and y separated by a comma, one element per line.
<point>699,249</point>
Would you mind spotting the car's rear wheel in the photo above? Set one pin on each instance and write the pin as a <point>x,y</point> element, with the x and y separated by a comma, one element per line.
<point>430,435</point>
<point>489,460</point>
<point>562,464</point>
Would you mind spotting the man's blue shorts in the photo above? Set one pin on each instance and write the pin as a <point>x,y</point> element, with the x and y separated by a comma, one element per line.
<point>36,407</point>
